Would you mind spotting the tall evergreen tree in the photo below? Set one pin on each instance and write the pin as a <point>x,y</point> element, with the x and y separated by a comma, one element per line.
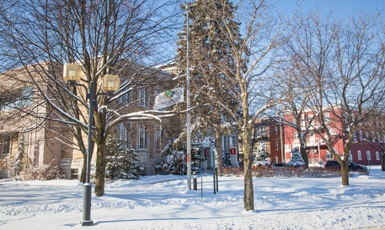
<point>209,48</point>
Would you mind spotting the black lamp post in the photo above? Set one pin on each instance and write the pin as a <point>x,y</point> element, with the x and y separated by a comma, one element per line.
<point>71,74</point>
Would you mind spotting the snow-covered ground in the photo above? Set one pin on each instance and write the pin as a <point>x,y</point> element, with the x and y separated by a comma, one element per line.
<point>164,202</point>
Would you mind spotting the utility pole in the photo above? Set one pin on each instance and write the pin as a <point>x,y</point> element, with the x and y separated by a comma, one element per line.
<point>188,100</point>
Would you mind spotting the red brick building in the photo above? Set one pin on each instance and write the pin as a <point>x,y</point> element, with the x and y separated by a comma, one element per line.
<point>365,148</point>
<point>268,135</point>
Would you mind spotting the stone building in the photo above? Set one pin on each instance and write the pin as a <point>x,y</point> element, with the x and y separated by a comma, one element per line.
<point>28,123</point>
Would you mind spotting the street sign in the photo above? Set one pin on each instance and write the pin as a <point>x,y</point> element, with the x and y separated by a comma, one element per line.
<point>233,151</point>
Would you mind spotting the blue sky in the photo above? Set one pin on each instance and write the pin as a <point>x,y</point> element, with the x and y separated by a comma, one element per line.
<point>337,8</point>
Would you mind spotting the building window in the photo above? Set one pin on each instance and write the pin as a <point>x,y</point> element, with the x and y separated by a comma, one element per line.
<point>27,97</point>
<point>74,173</point>
<point>261,131</point>
<point>305,121</point>
<point>276,145</point>
<point>329,155</point>
<point>327,118</point>
<point>125,98</point>
<point>276,129</point>
<point>368,155</point>
<point>359,155</point>
<point>377,155</point>
<point>142,97</point>
<point>20,98</point>
<point>355,136</point>
<point>124,134</point>
<point>361,137</point>
<point>158,137</point>
<point>296,136</point>
<point>141,142</point>
<point>232,141</point>
<point>5,144</point>
<point>157,91</point>
<point>350,156</point>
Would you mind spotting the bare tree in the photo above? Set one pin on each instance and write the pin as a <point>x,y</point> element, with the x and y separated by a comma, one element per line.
<point>345,64</point>
<point>296,93</point>
<point>232,66</point>
<point>360,56</point>
<point>254,53</point>
<point>104,37</point>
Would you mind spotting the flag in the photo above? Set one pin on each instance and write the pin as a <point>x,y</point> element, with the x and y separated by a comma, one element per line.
<point>168,98</point>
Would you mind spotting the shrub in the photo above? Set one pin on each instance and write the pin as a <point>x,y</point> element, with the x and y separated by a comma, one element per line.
<point>122,163</point>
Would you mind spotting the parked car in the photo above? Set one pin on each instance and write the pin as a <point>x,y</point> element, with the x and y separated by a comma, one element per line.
<point>332,164</point>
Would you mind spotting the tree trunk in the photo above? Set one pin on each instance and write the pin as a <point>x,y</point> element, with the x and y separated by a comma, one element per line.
<point>248,184</point>
<point>383,162</point>
<point>344,172</point>
<point>84,169</point>
<point>83,150</point>
<point>248,196</point>
<point>218,147</point>
<point>100,167</point>
<point>304,156</point>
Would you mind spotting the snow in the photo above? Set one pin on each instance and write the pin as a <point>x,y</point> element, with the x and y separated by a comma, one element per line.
<point>164,202</point>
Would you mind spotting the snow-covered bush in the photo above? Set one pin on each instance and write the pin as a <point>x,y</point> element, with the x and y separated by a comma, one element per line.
<point>226,161</point>
<point>261,157</point>
<point>122,163</point>
<point>46,172</point>
<point>49,172</point>
<point>296,158</point>
<point>173,162</point>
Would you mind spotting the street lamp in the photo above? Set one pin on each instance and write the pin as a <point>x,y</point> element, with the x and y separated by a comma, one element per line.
<point>111,83</point>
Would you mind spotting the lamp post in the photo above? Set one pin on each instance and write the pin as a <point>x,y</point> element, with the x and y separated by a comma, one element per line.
<point>71,75</point>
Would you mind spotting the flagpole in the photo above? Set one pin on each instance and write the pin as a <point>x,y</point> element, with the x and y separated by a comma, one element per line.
<point>188,101</point>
